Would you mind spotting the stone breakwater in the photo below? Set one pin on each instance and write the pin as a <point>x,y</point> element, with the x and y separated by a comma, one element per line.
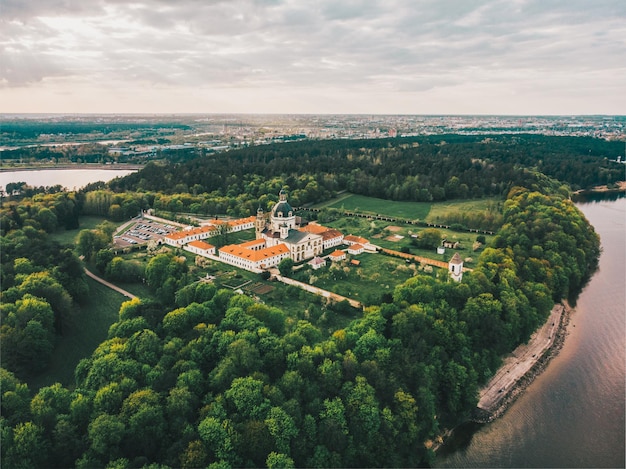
<point>524,364</point>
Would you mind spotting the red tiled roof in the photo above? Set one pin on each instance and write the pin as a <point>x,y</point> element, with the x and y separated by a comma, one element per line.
<point>201,245</point>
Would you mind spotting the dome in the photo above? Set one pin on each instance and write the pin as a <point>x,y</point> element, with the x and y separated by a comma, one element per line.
<point>282,208</point>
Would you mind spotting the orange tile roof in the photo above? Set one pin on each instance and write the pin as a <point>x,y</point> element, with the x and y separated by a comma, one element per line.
<point>242,221</point>
<point>330,234</point>
<point>337,253</point>
<point>201,245</point>
<point>355,239</point>
<point>314,228</point>
<point>254,242</point>
<point>356,247</point>
<point>255,256</point>
<point>193,231</point>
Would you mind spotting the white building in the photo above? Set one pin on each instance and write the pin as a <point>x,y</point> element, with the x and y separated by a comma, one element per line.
<point>317,262</point>
<point>355,249</point>
<point>200,248</point>
<point>337,256</point>
<point>180,238</point>
<point>281,228</point>
<point>455,267</point>
<point>253,255</point>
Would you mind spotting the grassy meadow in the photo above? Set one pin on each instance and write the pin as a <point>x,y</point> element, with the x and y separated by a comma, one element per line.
<point>82,333</point>
<point>430,212</point>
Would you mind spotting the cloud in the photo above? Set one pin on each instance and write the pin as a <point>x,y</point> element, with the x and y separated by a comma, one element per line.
<point>409,48</point>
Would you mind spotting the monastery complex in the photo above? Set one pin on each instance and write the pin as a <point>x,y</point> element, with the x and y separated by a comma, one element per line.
<point>278,235</point>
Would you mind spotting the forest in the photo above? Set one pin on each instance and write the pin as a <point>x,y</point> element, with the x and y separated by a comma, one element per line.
<point>203,377</point>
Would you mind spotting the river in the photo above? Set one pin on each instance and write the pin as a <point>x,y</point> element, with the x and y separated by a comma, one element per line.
<point>71,179</point>
<point>572,415</point>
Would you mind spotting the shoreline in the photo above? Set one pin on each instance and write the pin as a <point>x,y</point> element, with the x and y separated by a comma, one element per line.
<point>621,187</point>
<point>66,166</point>
<point>520,384</point>
<point>540,363</point>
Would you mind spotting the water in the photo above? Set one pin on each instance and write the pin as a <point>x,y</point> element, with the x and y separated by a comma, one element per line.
<point>573,413</point>
<point>72,179</point>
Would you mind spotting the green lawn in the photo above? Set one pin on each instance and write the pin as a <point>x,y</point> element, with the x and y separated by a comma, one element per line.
<point>85,330</point>
<point>69,236</point>
<point>378,233</point>
<point>440,209</point>
<point>376,274</point>
<point>372,205</point>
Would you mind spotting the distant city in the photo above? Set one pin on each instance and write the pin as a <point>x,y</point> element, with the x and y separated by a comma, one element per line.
<point>135,135</point>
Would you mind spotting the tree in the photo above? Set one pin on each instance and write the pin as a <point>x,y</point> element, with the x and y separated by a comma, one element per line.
<point>90,242</point>
<point>428,238</point>
<point>105,435</point>
<point>216,437</point>
<point>285,266</point>
<point>28,448</point>
<point>279,461</point>
<point>282,427</point>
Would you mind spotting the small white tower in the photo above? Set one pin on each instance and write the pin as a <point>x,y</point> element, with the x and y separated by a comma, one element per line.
<point>455,266</point>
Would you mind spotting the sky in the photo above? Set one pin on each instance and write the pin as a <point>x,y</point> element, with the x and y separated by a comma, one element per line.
<point>513,57</point>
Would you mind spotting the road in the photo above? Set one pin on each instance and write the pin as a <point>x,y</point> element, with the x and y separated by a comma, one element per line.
<point>520,362</point>
<point>109,284</point>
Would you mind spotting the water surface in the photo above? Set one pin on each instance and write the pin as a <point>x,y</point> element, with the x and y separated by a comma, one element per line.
<point>572,415</point>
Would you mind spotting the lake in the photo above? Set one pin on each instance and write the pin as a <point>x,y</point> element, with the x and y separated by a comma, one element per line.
<point>72,179</point>
<point>572,415</point>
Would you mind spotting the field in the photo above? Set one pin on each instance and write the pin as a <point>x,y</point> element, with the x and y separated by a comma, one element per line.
<point>69,236</point>
<point>375,275</point>
<point>85,330</point>
<point>430,212</point>
<point>440,209</point>
<point>372,205</point>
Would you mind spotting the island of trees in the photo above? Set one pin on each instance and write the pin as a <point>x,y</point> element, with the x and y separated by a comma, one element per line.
<point>198,376</point>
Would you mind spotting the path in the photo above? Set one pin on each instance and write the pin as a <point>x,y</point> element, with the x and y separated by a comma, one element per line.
<point>425,260</point>
<point>520,362</point>
<point>109,284</point>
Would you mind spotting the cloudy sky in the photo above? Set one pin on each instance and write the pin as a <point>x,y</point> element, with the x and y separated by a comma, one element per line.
<point>314,56</point>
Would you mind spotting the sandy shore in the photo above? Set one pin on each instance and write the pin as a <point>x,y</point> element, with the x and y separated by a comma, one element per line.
<point>524,364</point>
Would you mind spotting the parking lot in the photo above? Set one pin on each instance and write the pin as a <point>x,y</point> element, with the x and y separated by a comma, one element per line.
<point>143,231</point>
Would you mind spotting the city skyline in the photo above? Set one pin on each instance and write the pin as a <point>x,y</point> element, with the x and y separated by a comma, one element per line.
<point>518,57</point>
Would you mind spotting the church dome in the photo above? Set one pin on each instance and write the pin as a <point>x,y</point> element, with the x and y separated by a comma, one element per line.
<point>282,208</point>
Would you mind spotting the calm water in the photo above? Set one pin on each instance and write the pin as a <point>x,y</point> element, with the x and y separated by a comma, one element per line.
<point>69,178</point>
<point>573,414</point>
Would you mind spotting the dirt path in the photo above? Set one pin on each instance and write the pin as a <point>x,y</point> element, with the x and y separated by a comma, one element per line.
<point>109,284</point>
<point>521,361</point>
<point>426,260</point>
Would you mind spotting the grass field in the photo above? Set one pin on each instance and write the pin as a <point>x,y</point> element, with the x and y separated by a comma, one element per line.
<point>423,211</point>
<point>372,205</point>
<point>375,231</point>
<point>69,236</point>
<point>440,209</point>
<point>85,330</point>
<point>376,274</point>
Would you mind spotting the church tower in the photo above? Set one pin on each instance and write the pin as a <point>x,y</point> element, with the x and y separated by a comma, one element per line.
<point>455,267</point>
<point>259,223</point>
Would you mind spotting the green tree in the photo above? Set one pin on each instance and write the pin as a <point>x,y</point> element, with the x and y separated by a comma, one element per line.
<point>90,242</point>
<point>106,432</point>
<point>28,449</point>
<point>279,461</point>
<point>285,266</point>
